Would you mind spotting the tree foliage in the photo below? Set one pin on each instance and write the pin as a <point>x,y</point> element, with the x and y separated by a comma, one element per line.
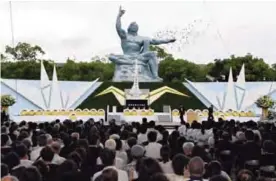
<point>255,68</point>
<point>27,66</point>
<point>24,51</point>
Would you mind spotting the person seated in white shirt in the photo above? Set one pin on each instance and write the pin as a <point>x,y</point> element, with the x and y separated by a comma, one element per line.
<point>137,152</point>
<point>189,134</point>
<point>47,155</point>
<point>142,136</point>
<point>56,146</point>
<point>123,138</point>
<point>111,145</point>
<point>108,159</point>
<point>49,139</point>
<point>120,153</point>
<point>182,129</point>
<point>152,127</point>
<point>180,168</point>
<point>202,136</point>
<point>166,163</point>
<point>188,148</point>
<point>153,148</point>
<point>42,142</point>
<point>108,175</point>
<point>22,151</point>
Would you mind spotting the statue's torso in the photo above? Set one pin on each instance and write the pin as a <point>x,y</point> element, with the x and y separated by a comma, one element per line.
<point>132,44</point>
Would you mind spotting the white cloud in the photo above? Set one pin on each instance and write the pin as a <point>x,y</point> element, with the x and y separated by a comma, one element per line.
<point>83,29</point>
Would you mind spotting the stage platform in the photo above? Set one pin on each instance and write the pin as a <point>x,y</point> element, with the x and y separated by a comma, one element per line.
<point>120,117</point>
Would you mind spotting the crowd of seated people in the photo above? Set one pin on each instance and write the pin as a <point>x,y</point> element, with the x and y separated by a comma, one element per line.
<point>92,151</point>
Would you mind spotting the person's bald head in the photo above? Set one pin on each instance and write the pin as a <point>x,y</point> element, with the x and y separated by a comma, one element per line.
<point>196,167</point>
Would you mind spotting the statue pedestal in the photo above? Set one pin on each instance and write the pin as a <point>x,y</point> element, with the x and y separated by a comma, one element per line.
<point>125,73</point>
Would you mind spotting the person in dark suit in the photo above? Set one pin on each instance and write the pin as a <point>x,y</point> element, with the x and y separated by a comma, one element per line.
<point>255,149</point>
<point>210,113</point>
<point>182,112</point>
<point>4,116</point>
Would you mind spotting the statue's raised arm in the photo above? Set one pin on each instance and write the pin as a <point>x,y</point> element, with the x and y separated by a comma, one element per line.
<point>159,42</point>
<point>120,31</point>
<point>135,48</point>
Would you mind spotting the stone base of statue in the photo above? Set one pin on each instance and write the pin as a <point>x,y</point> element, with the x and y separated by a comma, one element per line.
<point>125,73</point>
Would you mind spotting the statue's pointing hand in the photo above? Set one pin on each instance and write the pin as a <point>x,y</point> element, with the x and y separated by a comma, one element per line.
<point>172,40</point>
<point>121,11</point>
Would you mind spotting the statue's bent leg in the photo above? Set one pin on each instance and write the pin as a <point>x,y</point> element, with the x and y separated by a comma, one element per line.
<point>152,62</point>
<point>119,59</point>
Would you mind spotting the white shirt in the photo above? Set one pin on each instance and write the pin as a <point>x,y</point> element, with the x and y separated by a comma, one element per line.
<point>202,137</point>
<point>119,163</point>
<point>24,163</point>
<point>166,167</point>
<point>182,130</point>
<point>122,175</point>
<point>35,153</point>
<point>123,156</point>
<point>131,168</point>
<point>189,134</point>
<point>153,150</point>
<point>174,177</point>
<point>159,135</point>
<point>211,142</point>
<point>58,159</point>
<point>142,138</point>
<point>124,145</point>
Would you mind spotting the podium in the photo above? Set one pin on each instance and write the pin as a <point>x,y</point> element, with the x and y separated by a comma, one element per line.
<point>137,103</point>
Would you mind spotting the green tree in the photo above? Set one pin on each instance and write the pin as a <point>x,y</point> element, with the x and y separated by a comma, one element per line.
<point>24,51</point>
<point>161,53</point>
<point>3,58</point>
<point>274,66</point>
<point>170,69</point>
<point>255,68</point>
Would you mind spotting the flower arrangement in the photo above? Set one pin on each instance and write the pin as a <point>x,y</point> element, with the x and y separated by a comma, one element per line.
<point>7,100</point>
<point>265,102</point>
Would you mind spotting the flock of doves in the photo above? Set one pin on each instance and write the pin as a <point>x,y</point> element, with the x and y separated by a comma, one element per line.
<point>184,36</point>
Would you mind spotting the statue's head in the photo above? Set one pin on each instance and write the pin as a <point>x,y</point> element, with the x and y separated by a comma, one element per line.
<point>133,27</point>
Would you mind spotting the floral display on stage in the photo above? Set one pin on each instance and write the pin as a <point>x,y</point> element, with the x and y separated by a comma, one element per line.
<point>204,113</point>
<point>7,100</point>
<point>265,103</point>
<point>63,112</point>
<point>138,112</point>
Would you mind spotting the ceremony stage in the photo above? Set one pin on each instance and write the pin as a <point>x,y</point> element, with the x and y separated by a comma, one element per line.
<point>169,118</point>
<point>45,100</point>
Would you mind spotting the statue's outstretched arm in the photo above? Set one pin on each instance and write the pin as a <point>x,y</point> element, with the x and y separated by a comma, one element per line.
<point>120,31</point>
<point>158,42</point>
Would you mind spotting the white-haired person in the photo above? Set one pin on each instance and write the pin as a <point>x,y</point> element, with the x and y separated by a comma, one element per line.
<point>188,149</point>
<point>56,147</point>
<point>111,145</point>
